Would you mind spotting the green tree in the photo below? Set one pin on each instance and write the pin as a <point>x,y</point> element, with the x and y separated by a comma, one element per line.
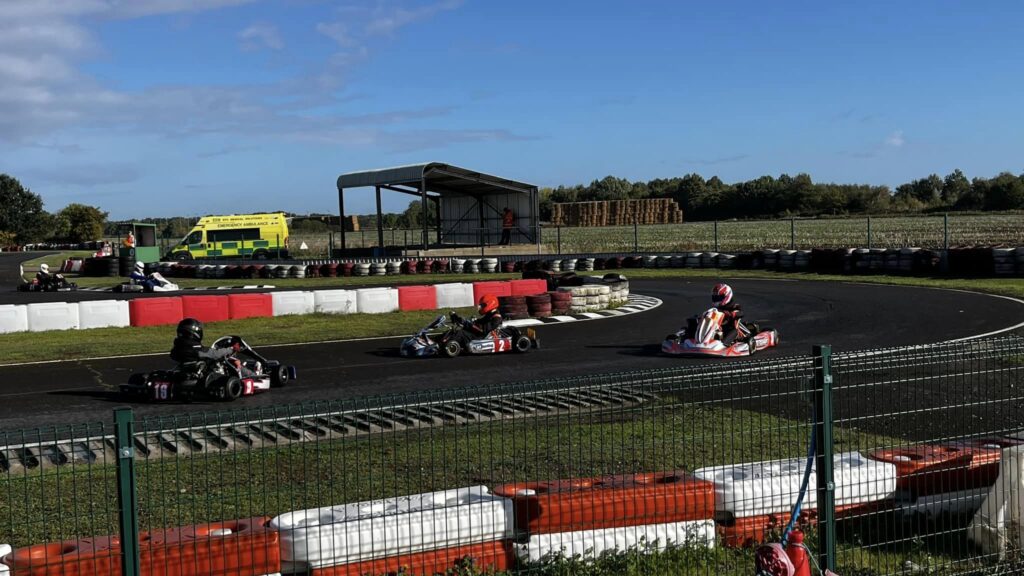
<point>954,186</point>
<point>1005,192</point>
<point>85,223</point>
<point>21,212</point>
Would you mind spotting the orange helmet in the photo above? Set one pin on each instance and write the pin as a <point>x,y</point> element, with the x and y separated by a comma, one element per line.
<point>488,303</point>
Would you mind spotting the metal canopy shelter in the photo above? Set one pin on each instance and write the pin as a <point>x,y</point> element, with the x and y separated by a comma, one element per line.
<point>467,201</point>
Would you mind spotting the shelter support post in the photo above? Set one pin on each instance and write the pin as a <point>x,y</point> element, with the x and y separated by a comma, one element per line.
<point>380,221</point>
<point>341,218</point>
<point>424,211</point>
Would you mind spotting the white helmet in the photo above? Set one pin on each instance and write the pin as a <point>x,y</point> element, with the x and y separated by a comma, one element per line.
<point>139,267</point>
<point>44,268</point>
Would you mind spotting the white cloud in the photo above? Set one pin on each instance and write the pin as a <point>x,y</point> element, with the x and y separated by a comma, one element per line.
<point>390,21</point>
<point>895,140</point>
<point>338,32</point>
<point>261,35</point>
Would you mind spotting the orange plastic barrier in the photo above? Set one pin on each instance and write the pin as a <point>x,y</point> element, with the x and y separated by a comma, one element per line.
<point>99,556</point>
<point>250,306</point>
<point>591,503</point>
<point>931,469</point>
<point>496,556</point>
<point>983,467</point>
<point>753,530</point>
<point>492,287</point>
<point>417,298</point>
<point>528,287</point>
<point>155,311</point>
<point>233,548</point>
<point>206,308</point>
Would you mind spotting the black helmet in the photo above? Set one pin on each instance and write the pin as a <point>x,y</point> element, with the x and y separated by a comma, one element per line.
<point>190,328</point>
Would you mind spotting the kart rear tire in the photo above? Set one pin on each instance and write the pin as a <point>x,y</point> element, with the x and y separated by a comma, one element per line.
<point>279,377</point>
<point>231,389</point>
<point>522,344</point>
<point>137,379</point>
<point>452,348</point>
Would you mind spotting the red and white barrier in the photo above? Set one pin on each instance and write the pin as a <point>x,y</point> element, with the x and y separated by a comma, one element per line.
<point>457,295</point>
<point>44,316</point>
<point>593,543</point>
<point>495,288</point>
<point>335,302</point>
<point>103,314</point>
<point>155,311</point>
<point>292,303</point>
<point>417,298</point>
<point>376,300</point>
<point>486,556</point>
<point>243,306</point>
<point>13,318</point>
<point>206,308</point>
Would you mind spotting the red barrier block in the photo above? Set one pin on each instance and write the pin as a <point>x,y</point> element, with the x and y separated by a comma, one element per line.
<point>487,557</point>
<point>927,469</point>
<point>417,298</point>
<point>614,501</point>
<point>230,548</point>
<point>250,306</point>
<point>492,287</point>
<point>528,287</point>
<point>99,556</point>
<point>753,530</point>
<point>206,308</point>
<point>155,311</point>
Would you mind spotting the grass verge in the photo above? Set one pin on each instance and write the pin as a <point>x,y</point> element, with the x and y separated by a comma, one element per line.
<point>54,260</point>
<point>80,500</point>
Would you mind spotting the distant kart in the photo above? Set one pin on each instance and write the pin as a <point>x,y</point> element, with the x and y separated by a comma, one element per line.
<point>157,283</point>
<point>703,338</point>
<point>209,379</point>
<point>57,283</point>
<point>440,338</point>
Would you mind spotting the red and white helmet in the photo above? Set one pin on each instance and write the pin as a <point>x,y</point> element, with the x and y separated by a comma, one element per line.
<point>721,294</point>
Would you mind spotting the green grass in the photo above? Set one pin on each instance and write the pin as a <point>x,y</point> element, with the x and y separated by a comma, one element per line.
<point>54,260</point>
<point>78,501</point>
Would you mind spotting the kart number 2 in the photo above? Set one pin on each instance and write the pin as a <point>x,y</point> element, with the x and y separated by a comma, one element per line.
<point>501,345</point>
<point>161,390</point>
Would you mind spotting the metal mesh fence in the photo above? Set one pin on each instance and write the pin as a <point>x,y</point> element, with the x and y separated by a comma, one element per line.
<point>678,471</point>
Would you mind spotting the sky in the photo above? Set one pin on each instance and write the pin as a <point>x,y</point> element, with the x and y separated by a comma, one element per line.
<point>192,107</point>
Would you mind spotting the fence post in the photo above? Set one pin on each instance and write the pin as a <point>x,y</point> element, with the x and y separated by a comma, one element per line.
<point>636,236</point>
<point>869,232</point>
<point>945,231</point>
<point>792,233</point>
<point>128,518</point>
<point>822,357</point>
<point>716,235</point>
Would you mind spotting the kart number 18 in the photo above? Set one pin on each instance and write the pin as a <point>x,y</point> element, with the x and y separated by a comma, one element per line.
<point>161,390</point>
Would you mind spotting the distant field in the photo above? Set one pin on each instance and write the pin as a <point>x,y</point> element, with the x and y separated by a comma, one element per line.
<point>886,232</point>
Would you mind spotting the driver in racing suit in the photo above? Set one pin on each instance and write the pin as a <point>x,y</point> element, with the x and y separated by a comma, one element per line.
<point>139,278</point>
<point>489,320</point>
<point>722,300</point>
<point>188,347</point>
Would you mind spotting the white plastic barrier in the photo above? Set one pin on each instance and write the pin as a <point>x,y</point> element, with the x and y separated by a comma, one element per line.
<point>592,543</point>
<point>13,318</point>
<point>376,300</point>
<point>772,487</point>
<point>1002,512</point>
<point>292,303</point>
<point>103,314</point>
<point>5,549</point>
<point>457,295</point>
<point>52,316</point>
<point>379,528</point>
<point>335,302</point>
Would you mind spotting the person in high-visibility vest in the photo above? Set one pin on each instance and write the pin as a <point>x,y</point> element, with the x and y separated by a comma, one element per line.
<point>508,222</point>
<point>129,241</point>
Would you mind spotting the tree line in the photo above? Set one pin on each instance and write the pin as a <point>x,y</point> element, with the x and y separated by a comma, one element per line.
<point>789,196</point>
<point>24,221</point>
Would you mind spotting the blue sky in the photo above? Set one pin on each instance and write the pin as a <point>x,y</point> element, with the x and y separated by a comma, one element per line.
<point>165,107</point>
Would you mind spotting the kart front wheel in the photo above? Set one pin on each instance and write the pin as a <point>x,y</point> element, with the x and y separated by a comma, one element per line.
<point>452,348</point>
<point>231,389</point>
<point>279,377</point>
<point>523,344</point>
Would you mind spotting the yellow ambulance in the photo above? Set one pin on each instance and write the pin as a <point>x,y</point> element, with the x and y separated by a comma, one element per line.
<point>257,236</point>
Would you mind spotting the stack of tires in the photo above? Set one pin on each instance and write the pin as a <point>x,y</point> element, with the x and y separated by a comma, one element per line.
<point>105,267</point>
<point>513,307</point>
<point>561,303</point>
<point>539,306</point>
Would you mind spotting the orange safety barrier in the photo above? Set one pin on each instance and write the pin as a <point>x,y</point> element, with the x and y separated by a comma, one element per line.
<point>100,556</point>
<point>232,548</point>
<point>985,454</point>
<point>155,311</point>
<point>250,306</point>
<point>206,308</point>
<point>486,557</point>
<point>627,500</point>
<point>753,530</point>
<point>417,298</point>
<point>930,469</point>
<point>492,287</point>
<point>528,287</point>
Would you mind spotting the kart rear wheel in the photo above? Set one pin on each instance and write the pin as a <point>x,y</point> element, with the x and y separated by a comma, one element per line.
<point>231,389</point>
<point>452,348</point>
<point>278,376</point>
<point>522,344</point>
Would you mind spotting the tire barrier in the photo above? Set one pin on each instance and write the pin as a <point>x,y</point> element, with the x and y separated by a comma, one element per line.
<point>593,543</point>
<point>489,557</point>
<point>513,307</point>
<point>457,295</point>
<point>762,488</point>
<point>155,311</point>
<point>242,306</point>
<point>376,300</point>
<point>611,502</point>
<point>13,318</point>
<point>346,534</point>
<point>103,314</point>
<point>417,298</point>
<point>292,303</point>
<point>206,308</point>
<point>539,305</point>
<point>334,302</point>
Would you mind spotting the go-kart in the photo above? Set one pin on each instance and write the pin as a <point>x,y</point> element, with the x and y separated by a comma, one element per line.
<point>703,336</point>
<point>55,283</point>
<point>155,282</point>
<point>212,379</point>
<point>441,337</point>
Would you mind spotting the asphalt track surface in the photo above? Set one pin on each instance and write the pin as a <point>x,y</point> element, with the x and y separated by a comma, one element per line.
<point>847,316</point>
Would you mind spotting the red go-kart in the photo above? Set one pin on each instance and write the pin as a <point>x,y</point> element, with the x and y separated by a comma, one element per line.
<point>703,337</point>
